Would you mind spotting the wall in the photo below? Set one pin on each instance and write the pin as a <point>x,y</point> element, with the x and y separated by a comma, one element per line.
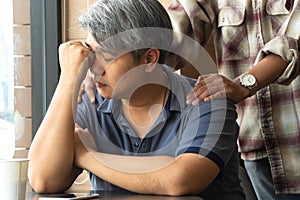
<point>22,74</point>
<point>71,11</point>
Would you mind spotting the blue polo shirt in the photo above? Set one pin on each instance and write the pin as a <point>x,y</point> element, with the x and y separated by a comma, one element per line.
<point>208,129</point>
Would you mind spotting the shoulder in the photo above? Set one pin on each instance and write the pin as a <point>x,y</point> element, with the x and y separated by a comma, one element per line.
<point>179,85</point>
<point>216,107</point>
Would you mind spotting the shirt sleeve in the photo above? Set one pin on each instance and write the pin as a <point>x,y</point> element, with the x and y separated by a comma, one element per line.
<point>287,49</point>
<point>191,18</point>
<point>286,45</point>
<point>210,129</point>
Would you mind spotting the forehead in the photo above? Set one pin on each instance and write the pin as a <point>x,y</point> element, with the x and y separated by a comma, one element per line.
<point>92,42</point>
<point>108,47</point>
<point>93,45</point>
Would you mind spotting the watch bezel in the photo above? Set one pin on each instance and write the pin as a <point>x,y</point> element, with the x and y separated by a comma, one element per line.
<point>251,80</point>
<point>252,86</point>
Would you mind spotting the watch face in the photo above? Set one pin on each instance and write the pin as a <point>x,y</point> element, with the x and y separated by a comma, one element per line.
<point>248,80</point>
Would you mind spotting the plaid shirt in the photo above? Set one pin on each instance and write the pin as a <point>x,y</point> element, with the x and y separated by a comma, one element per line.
<point>244,33</point>
<point>291,31</point>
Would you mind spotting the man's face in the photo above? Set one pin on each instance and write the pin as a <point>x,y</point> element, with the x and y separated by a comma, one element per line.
<point>109,69</point>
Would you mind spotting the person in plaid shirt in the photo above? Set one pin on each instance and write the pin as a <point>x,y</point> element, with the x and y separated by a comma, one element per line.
<point>250,39</point>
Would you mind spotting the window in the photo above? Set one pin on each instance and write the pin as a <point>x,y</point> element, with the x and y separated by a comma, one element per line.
<point>6,78</point>
<point>46,31</point>
<point>31,71</point>
<point>6,63</point>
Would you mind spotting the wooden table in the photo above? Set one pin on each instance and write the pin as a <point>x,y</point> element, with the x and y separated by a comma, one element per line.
<point>112,195</point>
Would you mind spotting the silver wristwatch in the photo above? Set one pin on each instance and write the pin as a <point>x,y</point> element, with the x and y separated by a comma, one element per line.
<point>249,81</point>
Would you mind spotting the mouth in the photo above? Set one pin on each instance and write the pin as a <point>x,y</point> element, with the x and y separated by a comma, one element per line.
<point>101,85</point>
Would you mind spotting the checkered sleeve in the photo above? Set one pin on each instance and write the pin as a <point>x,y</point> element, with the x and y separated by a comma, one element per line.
<point>286,45</point>
<point>287,49</point>
<point>292,28</point>
<point>191,18</point>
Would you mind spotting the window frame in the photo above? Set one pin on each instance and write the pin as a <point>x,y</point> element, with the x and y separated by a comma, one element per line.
<point>46,35</point>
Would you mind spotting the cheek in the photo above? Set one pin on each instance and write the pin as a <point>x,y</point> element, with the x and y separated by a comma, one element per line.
<point>115,71</point>
<point>113,78</point>
<point>118,80</point>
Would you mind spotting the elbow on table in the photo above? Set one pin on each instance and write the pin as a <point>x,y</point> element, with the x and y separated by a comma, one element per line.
<point>40,183</point>
<point>182,179</point>
<point>182,190</point>
<point>181,187</point>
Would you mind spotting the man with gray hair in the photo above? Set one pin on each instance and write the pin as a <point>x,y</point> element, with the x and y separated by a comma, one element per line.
<point>140,135</point>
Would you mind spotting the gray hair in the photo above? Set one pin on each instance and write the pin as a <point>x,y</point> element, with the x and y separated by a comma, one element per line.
<point>125,25</point>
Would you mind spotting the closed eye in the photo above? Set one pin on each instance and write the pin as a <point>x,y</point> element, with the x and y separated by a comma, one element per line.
<point>108,59</point>
<point>89,47</point>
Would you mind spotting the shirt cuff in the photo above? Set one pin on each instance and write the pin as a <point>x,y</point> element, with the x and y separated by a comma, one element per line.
<point>287,50</point>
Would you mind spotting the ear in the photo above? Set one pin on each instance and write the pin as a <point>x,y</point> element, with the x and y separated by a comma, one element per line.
<point>151,59</point>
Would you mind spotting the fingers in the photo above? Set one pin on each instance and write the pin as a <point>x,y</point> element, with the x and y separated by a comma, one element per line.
<point>215,86</point>
<point>84,137</point>
<point>85,50</point>
<point>77,43</point>
<point>90,89</point>
<point>207,88</point>
<point>81,92</point>
<point>209,95</point>
<point>74,47</point>
<point>72,56</point>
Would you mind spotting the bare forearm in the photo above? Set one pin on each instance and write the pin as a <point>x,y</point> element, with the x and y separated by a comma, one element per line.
<point>51,153</point>
<point>214,86</point>
<point>132,175</point>
<point>268,70</point>
<point>161,175</point>
<point>51,166</point>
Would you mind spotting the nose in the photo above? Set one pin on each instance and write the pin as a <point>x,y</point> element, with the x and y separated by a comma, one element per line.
<point>97,68</point>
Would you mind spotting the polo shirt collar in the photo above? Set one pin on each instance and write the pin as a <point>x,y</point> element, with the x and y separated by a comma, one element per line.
<point>107,105</point>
